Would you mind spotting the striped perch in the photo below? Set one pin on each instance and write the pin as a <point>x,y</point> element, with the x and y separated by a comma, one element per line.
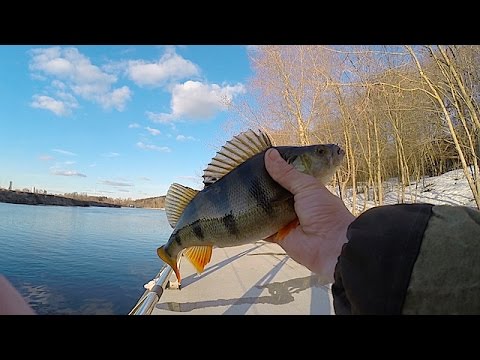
<point>240,203</point>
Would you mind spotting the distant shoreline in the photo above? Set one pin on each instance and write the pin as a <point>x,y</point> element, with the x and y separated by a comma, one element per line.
<point>28,198</point>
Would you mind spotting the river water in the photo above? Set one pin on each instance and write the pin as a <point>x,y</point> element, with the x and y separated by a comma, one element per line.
<point>76,260</point>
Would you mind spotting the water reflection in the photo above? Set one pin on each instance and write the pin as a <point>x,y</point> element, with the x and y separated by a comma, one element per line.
<point>46,301</point>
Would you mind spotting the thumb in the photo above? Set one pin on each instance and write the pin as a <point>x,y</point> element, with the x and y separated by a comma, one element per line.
<point>285,174</point>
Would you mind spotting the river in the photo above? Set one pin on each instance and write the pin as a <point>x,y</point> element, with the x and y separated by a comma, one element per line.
<point>77,260</point>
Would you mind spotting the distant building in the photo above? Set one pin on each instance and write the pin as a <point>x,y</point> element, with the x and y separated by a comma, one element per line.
<point>10,187</point>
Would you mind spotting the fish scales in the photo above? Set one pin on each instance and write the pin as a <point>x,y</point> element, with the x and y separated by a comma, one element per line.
<point>229,211</point>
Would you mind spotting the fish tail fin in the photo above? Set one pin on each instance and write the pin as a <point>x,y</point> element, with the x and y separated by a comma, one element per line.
<point>283,232</point>
<point>199,256</point>
<point>162,254</point>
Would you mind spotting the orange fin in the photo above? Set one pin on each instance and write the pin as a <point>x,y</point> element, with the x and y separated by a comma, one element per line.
<point>283,232</point>
<point>199,256</point>
<point>162,254</point>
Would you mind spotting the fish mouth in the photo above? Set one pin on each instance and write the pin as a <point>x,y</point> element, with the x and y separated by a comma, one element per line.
<point>337,154</point>
<point>336,149</point>
<point>340,152</point>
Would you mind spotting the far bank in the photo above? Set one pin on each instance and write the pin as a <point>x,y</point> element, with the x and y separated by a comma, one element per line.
<point>28,198</point>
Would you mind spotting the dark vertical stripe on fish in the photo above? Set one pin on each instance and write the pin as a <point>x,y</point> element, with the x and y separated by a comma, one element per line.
<point>260,197</point>
<point>197,230</point>
<point>177,239</point>
<point>230,224</point>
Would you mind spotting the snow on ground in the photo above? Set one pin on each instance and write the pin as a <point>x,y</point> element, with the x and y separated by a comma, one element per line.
<point>450,188</point>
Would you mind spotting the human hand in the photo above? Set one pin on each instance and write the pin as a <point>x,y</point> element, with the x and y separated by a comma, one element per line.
<point>11,302</point>
<point>317,242</point>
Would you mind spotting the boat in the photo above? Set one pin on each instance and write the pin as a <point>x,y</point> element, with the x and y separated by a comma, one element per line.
<point>253,279</point>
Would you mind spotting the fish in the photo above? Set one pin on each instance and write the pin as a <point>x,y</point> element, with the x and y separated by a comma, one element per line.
<point>240,203</point>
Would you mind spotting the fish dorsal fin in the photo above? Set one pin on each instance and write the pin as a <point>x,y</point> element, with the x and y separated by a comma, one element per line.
<point>176,200</point>
<point>242,147</point>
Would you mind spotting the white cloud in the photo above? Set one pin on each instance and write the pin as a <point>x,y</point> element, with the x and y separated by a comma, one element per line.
<point>68,173</point>
<point>153,131</point>
<point>58,84</point>
<point>115,99</point>
<point>58,107</point>
<point>115,67</point>
<point>141,145</point>
<point>111,154</point>
<point>45,157</point>
<point>74,72</point>
<point>133,126</point>
<point>115,183</point>
<point>170,66</point>
<point>184,138</point>
<point>39,77</point>
<point>67,98</point>
<point>69,162</point>
<point>145,178</point>
<point>159,118</point>
<point>64,152</point>
<point>196,100</point>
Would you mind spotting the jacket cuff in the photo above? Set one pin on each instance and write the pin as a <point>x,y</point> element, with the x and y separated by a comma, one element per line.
<point>374,268</point>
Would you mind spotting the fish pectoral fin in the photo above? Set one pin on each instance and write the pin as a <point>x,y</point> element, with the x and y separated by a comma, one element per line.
<point>199,256</point>
<point>283,232</point>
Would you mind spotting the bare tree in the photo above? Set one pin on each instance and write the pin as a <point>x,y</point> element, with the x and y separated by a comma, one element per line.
<point>453,93</point>
<point>288,92</point>
<point>399,111</point>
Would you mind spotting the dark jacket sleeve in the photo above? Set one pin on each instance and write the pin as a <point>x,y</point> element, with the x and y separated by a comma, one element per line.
<point>446,276</point>
<point>373,270</point>
<point>410,259</point>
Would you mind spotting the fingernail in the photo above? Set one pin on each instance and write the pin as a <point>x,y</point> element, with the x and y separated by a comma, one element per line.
<point>272,154</point>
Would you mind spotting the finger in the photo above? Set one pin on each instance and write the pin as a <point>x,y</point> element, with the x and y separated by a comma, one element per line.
<point>285,174</point>
<point>11,301</point>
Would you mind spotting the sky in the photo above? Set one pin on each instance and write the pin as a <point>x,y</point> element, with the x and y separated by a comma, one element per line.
<point>116,121</point>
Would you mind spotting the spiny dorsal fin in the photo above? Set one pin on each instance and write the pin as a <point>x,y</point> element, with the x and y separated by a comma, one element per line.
<point>242,147</point>
<point>176,200</point>
<point>199,256</point>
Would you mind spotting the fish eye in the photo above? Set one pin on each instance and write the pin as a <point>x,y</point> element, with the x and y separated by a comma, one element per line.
<point>320,150</point>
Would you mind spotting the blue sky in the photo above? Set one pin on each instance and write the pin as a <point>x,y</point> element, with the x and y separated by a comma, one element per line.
<point>119,121</point>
